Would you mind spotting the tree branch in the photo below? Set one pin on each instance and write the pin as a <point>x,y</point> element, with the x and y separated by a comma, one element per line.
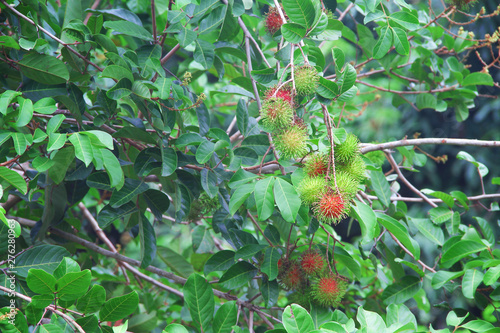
<point>367,147</point>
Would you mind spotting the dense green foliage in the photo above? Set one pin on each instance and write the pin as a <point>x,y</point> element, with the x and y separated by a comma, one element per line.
<point>194,166</point>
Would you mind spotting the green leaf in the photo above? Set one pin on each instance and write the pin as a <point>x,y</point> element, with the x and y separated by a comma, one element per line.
<point>220,261</point>
<point>46,257</point>
<point>8,42</point>
<point>199,298</point>
<point>55,122</point>
<point>440,278</point>
<point>381,187</point>
<point>263,76</point>
<point>25,112</point>
<point>300,11</point>
<point>6,98</point>
<point>239,196</point>
<point>348,78</point>
<point>406,20</point>
<point>459,250</point>
<point>209,182</point>
<point>169,161</point>
<point>41,282</point>
<point>108,214</point>
<point>113,168</point>
<point>478,78</point>
<point>241,177</point>
<point>287,199</point>
<point>264,198</point>
<point>399,230</point>
<point>297,320</point>
<point>401,43</point>
<point>270,263</point>
<point>83,147</point>
<point>147,240</point>
<point>163,84</point>
<point>129,29</point>
<point>204,53</point>
<point>118,308</point>
<point>14,179</point>
<point>270,291</point>
<point>186,36</point>
<point>483,170</point>
<point>440,214</point>
<point>486,229</point>
<point>175,261</point>
<point>41,163</point>
<point>384,43</point>
<point>205,151</point>
<point>117,72</point>
<point>121,89</point>
<point>89,324</point>
<point>242,118</point>
<point>56,141</point>
<point>338,58</point>
<point>157,201</point>
<point>238,275</point>
<point>492,275</point>
<point>130,189</point>
<point>67,265</point>
<point>367,220</point>
<point>248,251</point>
<point>45,106</point>
<point>62,160</point>
<point>225,317</point>
<point>175,328</point>
<point>372,321</point>
<point>44,68</point>
<point>429,230</point>
<point>327,89</point>
<point>74,283</point>
<point>293,32</point>
<point>402,291</point>
<point>478,326</point>
<point>471,280</point>
<point>21,142</point>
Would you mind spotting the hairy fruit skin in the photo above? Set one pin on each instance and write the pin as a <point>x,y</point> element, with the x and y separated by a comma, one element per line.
<point>331,208</point>
<point>316,165</point>
<point>276,113</point>
<point>273,20</point>
<point>291,142</point>
<point>347,150</point>
<point>328,290</point>
<point>347,186</point>
<point>284,93</point>
<point>306,80</point>
<point>311,189</point>
<point>355,168</point>
<point>293,276</point>
<point>312,263</point>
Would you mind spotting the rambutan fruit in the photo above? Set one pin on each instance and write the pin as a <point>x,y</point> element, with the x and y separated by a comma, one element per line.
<point>331,207</point>
<point>292,276</point>
<point>306,79</point>
<point>312,262</point>
<point>311,189</point>
<point>355,168</point>
<point>276,113</point>
<point>347,149</point>
<point>284,93</point>
<point>328,290</point>
<point>316,165</point>
<point>347,186</point>
<point>301,297</point>
<point>291,142</point>
<point>273,20</point>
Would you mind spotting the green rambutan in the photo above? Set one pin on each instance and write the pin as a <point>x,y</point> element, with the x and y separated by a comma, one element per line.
<point>355,168</point>
<point>331,207</point>
<point>347,186</point>
<point>301,297</point>
<point>347,149</point>
<point>291,142</point>
<point>311,189</point>
<point>276,113</point>
<point>292,276</point>
<point>273,20</point>
<point>312,262</point>
<point>316,164</point>
<point>306,79</point>
<point>328,290</point>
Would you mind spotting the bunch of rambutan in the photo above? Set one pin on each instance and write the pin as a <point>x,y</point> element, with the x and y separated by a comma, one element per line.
<point>330,195</point>
<point>278,116</point>
<point>311,280</point>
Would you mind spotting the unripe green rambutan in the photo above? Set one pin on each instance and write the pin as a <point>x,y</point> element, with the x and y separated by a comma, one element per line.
<point>316,164</point>
<point>311,189</point>
<point>312,262</point>
<point>302,297</point>
<point>276,113</point>
<point>347,149</point>
<point>331,207</point>
<point>291,142</point>
<point>306,79</point>
<point>355,168</point>
<point>328,290</point>
<point>347,186</point>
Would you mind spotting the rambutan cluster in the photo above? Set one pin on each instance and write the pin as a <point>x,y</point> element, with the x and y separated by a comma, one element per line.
<point>311,280</point>
<point>330,196</point>
<point>278,116</point>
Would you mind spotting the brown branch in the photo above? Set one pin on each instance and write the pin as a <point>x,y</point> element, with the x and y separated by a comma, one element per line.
<point>424,266</point>
<point>367,147</point>
<point>436,200</point>
<point>93,7</point>
<point>411,92</point>
<point>259,228</point>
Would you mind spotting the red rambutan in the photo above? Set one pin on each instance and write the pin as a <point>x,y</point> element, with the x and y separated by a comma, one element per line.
<point>331,208</point>
<point>293,276</point>
<point>312,262</point>
<point>284,93</point>
<point>273,20</point>
<point>329,290</point>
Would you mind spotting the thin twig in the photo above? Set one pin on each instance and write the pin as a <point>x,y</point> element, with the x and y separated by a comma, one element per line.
<point>424,266</point>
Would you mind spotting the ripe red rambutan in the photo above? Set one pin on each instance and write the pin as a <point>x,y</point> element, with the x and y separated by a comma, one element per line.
<point>329,290</point>
<point>331,208</point>
<point>292,276</point>
<point>316,165</point>
<point>273,20</point>
<point>284,93</point>
<point>312,262</point>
